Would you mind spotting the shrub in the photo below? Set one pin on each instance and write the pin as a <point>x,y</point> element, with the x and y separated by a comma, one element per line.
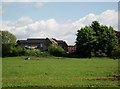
<point>116,54</point>
<point>56,50</point>
<point>12,50</point>
<point>18,51</point>
<point>36,52</point>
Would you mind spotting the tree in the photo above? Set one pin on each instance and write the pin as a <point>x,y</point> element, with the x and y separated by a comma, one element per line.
<point>7,49</point>
<point>112,41</point>
<point>106,38</point>
<point>85,41</point>
<point>96,39</point>
<point>8,42</point>
<point>7,37</point>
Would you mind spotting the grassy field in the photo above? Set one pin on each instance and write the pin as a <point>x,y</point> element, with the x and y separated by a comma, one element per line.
<point>59,72</point>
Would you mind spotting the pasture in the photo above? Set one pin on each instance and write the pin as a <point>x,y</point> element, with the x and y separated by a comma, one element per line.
<point>59,72</point>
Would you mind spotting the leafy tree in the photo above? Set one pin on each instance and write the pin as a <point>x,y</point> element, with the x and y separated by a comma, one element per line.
<point>106,38</point>
<point>85,41</point>
<point>96,39</point>
<point>118,35</point>
<point>7,37</point>
<point>96,28</point>
<point>8,41</point>
<point>112,41</point>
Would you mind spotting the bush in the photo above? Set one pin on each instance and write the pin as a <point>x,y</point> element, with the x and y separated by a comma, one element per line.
<point>31,52</point>
<point>36,52</point>
<point>9,50</point>
<point>56,50</point>
<point>116,54</point>
<point>12,50</point>
<point>18,51</point>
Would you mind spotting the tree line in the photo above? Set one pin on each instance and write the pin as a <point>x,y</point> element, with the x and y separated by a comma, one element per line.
<point>11,48</point>
<point>92,40</point>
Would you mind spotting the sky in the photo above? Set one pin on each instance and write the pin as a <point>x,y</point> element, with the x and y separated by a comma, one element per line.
<point>59,20</point>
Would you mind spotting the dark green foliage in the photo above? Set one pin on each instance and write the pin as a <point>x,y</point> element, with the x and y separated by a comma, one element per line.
<point>85,41</point>
<point>0,50</point>
<point>12,50</point>
<point>0,45</point>
<point>56,50</point>
<point>106,39</point>
<point>7,49</point>
<point>116,53</point>
<point>36,52</point>
<point>96,39</point>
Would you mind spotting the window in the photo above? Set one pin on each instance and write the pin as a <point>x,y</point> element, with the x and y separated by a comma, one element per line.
<point>41,45</point>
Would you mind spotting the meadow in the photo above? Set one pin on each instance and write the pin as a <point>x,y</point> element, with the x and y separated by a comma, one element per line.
<point>59,72</point>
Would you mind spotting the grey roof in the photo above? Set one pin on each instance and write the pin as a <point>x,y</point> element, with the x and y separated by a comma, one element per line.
<point>38,40</point>
<point>33,40</point>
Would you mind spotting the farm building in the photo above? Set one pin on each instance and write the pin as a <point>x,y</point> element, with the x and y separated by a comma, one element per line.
<point>42,43</point>
<point>71,48</point>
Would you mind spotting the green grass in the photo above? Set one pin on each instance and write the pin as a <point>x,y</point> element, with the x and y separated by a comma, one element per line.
<point>59,72</point>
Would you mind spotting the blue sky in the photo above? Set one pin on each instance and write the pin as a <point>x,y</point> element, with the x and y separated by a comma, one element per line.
<point>59,20</point>
<point>58,10</point>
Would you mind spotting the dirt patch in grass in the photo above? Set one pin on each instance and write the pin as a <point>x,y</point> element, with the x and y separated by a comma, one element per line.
<point>116,78</point>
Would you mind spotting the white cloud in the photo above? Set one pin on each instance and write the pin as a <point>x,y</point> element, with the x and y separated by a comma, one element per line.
<point>87,20</point>
<point>25,27</point>
<point>108,17</point>
<point>25,20</point>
